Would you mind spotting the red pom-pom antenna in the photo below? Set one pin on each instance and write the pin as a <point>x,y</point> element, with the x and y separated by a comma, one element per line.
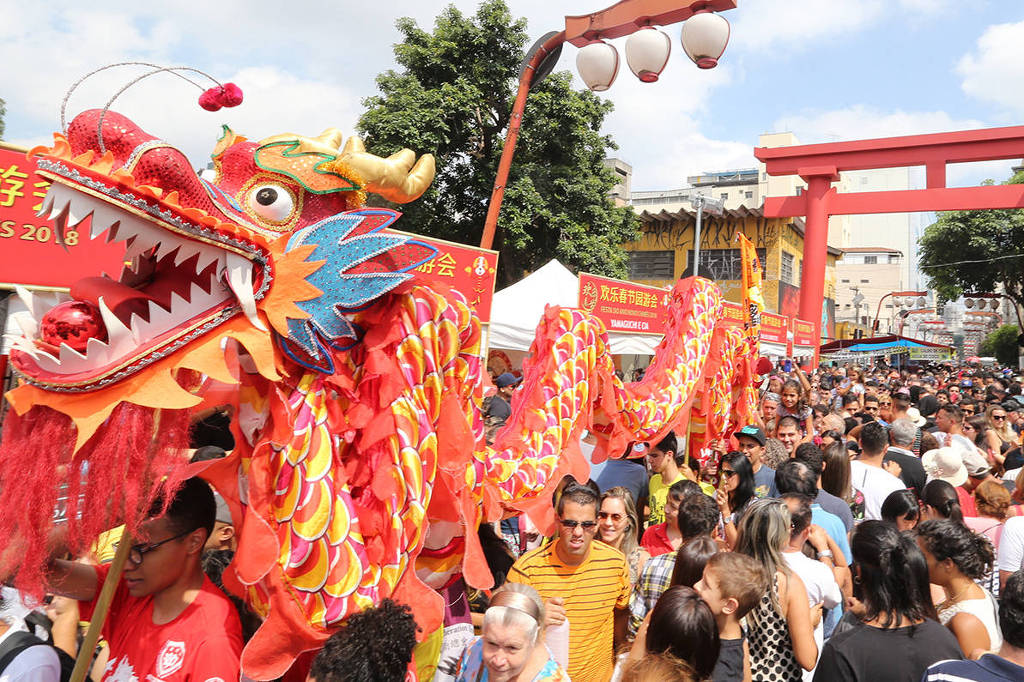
<point>227,95</point>
<point>209,100</point>
<point>230,95</point>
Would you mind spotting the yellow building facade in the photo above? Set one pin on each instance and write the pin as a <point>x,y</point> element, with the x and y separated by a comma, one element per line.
<point>664,253</point>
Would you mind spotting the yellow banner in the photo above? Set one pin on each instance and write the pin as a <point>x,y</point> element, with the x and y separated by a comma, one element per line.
<point>753,301</point>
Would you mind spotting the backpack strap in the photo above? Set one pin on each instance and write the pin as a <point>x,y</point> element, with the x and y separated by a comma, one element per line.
<point>15,643</point>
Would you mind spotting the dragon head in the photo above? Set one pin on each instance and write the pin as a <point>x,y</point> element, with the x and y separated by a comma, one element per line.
<point>236,251</point>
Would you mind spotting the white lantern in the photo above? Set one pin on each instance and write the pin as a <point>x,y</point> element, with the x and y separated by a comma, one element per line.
<point>704,38</point>
<point>598,64</point>
<point>921,301</point>
<point>647,52</point>
<point>897,301</point>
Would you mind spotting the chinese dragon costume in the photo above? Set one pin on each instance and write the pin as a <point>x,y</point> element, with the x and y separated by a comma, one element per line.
<point>360,470</point>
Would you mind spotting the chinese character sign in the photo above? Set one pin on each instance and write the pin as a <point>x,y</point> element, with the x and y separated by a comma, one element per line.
<point>624,306</point>
<point>803,333</point>
<point>774,328</point>
<point>29,252</point>
<point>467,269</point>
<point>733,314</point>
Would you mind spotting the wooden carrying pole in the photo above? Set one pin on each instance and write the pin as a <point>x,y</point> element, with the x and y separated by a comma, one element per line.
<point>99,614</point>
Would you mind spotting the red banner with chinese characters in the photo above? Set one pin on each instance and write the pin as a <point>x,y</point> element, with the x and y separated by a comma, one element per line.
<point>624,306</point>
<point>733,314</point>
<point>468,269</point>
<point>29,255</point>
<point>774,328</point>
<point>803,333</point>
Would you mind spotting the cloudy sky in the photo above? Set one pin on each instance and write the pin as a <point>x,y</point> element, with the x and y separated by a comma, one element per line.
<point>824,69</point>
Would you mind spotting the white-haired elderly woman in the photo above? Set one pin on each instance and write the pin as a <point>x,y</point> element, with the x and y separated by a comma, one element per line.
<point>511,647</point>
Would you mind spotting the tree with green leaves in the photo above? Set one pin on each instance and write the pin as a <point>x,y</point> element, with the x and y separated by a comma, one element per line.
<point>1002,345</point>
<point>452,97</point>
<point>976,251</point>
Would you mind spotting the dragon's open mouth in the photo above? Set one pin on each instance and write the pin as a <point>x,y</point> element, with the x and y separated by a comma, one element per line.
<point>180,279</point>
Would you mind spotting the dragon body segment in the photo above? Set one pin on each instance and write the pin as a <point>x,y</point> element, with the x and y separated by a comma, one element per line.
<point>360,470</point>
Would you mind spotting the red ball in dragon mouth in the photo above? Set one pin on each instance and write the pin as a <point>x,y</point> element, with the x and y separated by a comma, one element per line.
<point>73,323</point>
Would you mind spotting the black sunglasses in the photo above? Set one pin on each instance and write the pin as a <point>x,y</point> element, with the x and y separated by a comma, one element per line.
<point>138,552</point>
<point>570,524</point>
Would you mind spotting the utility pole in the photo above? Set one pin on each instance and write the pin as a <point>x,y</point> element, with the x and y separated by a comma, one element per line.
<point>702,202</point>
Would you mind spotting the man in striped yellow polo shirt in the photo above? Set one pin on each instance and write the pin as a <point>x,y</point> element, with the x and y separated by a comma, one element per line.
<point>583,581</point>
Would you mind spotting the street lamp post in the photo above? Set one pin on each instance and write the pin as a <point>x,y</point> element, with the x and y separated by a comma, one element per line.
<point>703,41</point>
<point>702,203</point>
<point>901,294</point>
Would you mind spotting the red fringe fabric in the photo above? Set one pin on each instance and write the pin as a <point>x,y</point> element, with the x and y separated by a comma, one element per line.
<point>136,455</point>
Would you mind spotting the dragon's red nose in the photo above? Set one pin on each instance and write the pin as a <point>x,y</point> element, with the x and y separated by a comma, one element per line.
<point>149,160</point>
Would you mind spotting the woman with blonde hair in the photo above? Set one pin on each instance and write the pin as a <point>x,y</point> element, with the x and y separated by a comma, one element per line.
<point>999,423</point>
<point>618,526</point>
<point>511,647</point>
<point>781,634</point>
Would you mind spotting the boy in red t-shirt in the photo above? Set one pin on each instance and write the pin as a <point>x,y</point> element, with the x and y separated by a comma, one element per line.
<point>167,621</point>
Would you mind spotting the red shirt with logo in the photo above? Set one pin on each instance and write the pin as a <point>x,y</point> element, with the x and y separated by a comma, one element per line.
<point>203,644</point>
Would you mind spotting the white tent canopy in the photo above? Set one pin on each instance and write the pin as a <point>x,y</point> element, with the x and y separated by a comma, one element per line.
<point>517,309</point>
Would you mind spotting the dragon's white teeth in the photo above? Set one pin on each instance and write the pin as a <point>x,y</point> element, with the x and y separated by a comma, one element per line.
<point>28,324</point>
<point>69,354</point>
<point>239,271</point>
<point>45,206</point>
<point>60,207</point>
<point>39,303</point>
<point>119,337</point>
<point>158,317</point>
<point>103,218</point>
<point>26,296</point>
<point>15,342</point>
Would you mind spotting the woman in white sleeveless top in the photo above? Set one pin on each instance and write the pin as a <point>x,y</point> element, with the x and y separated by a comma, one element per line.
<point>957,557</point>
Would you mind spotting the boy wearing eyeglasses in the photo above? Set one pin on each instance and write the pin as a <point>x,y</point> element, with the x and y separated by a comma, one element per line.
<point>167,621</point>
<point>582,581</point>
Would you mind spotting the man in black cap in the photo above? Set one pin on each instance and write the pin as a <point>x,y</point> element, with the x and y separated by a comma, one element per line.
<point>500,408</point>
<point>751,439</point>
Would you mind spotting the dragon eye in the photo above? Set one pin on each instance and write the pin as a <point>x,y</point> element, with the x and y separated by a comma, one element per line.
<point>273,203</point>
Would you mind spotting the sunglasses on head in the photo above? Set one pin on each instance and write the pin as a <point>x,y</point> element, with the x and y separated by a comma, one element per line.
<point>570,524</point>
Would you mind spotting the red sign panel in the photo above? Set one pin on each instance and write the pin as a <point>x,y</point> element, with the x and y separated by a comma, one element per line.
<point>29,255</point>
<point>732,314</point>
<point>774,328</point>
<point>803,333</point>
<point>467,269</point>
<point>624,306</point>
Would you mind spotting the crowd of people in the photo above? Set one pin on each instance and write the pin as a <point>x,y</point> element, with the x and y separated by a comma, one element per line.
<point>865,525</point>
<point>868,524</point>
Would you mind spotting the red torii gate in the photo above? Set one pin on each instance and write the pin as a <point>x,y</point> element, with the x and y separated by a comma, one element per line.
<point>819,166</point>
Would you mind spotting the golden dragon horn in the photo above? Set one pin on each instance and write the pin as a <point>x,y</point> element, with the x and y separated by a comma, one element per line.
<point>399,178</point>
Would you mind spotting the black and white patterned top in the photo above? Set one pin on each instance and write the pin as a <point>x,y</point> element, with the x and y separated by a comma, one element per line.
<point>771,649</point>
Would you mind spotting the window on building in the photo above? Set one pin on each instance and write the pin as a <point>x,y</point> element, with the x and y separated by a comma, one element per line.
<point>870,260</point>
<point>801,280</point>
<point>724,196</point>
<point>652,264</point>
<point>844,281</point>
<point>748,195</point>
<point>786,274</point>
<point>864,281</point>
<point>764,176</point>
<point>722,264</point>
